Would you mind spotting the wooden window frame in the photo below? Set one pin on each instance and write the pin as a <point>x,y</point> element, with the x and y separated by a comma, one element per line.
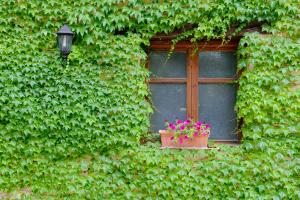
<point>192,80</point>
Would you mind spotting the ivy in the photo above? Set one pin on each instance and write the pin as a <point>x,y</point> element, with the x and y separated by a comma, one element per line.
<point>146,172</point>
<point>73,131</point>
<point>267,99</point>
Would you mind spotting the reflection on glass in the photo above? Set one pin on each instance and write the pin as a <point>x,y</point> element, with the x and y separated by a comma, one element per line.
<point>173,67</point>
<point>216,106</point>
<point>214,64</point>
<point>169,102</point>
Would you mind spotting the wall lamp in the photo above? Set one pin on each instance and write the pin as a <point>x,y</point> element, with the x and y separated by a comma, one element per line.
<point>64,38</point>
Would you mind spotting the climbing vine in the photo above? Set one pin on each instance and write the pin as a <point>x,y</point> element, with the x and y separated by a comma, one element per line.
<point>74,130</point>
<point>268,98</point>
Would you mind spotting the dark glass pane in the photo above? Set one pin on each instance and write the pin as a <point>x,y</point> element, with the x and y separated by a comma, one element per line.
<point>65,42</point>
<point>169,103</point>
<point>216,106</point>
<point>217,64</point>
<point>162,66</point>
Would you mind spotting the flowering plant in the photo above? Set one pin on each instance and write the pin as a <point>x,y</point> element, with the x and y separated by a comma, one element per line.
<point>187,128</point>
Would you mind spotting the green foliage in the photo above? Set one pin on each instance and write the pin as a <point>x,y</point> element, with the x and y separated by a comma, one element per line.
<point>268,100</point>
<point>62,110</point>
<point>52,114</point>
<point>147,172</point>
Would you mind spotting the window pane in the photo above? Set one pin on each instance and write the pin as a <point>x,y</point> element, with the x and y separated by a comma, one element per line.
<point>216,106</point>
<point>162,66</point>
<point>217,64</point>
<point>169,103</point>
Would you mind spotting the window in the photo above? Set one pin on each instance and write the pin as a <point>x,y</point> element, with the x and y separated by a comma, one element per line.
<point>198,82</point>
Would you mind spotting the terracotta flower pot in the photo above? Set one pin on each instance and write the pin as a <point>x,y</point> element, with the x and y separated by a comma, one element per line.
<point>199,141</point>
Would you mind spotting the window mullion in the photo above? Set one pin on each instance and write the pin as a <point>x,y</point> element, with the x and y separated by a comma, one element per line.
<point>189,84</point>
<point>193,57</point>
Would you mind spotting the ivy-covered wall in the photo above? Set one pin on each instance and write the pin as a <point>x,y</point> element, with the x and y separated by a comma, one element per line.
<point>74,130</point>
<point>268,95</point>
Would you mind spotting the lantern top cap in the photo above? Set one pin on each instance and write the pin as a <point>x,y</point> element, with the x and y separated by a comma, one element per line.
<point>65,30</point>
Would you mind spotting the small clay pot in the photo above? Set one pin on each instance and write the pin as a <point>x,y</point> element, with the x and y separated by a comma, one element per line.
<point>198,141</point>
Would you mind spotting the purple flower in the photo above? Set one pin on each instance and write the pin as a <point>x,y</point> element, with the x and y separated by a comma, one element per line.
<point>172,126</point>
<point>172,138</point>
<point>199,123</point>
<point>186,137</point>
<point>196,134</point>
<point>178,121</point>
<point>186,122</point>
<point>180,140</point>
<point>182,127</point>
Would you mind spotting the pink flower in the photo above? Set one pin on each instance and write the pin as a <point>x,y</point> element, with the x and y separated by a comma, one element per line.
<point>180,140</point>
<point>182,127</point>
<point>179,121</point>
<point>186,122</point>
<point>196,134</point>
<point>207,126</point>
<point>198,128</point>
<point>172,138</point>
<point>172,126</point>
<point>186,137</point>
<point>199,123</point>
<point>204,133</point>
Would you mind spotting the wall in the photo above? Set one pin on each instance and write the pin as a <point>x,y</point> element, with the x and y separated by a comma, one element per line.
<point>73,131</point>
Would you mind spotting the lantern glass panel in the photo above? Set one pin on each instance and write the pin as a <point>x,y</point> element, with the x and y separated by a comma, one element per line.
<point>65,43</point>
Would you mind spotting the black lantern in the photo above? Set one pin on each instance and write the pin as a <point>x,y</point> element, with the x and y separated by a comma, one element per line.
<point>65,36</point>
